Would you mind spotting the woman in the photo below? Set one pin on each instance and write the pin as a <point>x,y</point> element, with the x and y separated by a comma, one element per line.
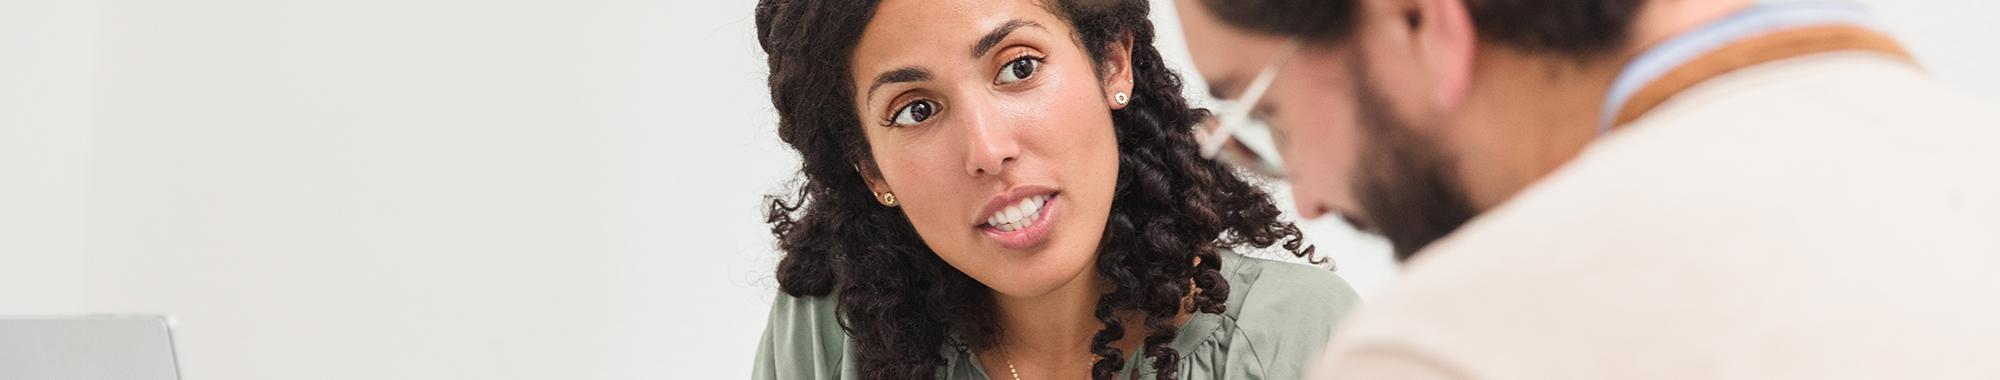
<point>1011,189</point>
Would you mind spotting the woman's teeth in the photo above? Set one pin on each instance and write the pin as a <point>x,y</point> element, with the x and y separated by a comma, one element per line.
<point>1015,217</point>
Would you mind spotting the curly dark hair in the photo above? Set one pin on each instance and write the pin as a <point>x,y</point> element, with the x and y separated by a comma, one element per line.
<point>899,301</point>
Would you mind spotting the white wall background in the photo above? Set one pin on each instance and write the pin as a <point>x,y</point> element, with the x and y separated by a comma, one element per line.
<point>438,189</point>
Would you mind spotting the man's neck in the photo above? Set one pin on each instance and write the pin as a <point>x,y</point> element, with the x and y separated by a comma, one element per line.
<point>1529,114</point>
<point>1535,111</point>
<point>1660,20</point>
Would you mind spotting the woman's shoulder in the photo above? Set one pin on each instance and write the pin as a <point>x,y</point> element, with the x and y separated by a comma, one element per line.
<point>803,340</point>
<point>805,308</point>
<point>1263,286</point>
<point>1284,312</point>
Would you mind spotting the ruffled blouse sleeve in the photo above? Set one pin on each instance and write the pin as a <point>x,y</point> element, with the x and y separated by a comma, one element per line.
<point>803,341</point>
<point>1280,315</point>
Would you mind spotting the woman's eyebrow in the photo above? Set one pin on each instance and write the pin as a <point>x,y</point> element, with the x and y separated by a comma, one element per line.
<point>905,74</point>
<point>993,38</point>
<point>918,74</point>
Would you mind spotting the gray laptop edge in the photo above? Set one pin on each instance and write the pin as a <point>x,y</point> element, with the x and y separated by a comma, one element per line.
<point>120,347</point>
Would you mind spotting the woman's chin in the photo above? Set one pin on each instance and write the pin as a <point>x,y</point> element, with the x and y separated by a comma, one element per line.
<point>1036,281</point>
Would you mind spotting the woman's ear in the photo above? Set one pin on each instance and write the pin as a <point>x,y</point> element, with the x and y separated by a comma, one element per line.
<point>1118,72</point>
<point>873,175</point>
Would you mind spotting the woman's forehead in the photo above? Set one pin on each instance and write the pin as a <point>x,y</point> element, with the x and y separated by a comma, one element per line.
<point>911,32</point>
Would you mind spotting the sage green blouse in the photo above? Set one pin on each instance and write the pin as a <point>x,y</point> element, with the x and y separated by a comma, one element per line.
<point>1279,315</point>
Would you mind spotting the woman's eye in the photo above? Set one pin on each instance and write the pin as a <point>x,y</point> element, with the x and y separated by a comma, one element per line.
<point>1018,69</point>
<point>915,112</point>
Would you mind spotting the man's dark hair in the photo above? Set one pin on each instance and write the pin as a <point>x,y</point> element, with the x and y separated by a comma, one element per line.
<point>1572,27</point>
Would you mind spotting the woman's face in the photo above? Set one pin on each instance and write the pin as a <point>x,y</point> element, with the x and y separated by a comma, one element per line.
<point>990,125</point>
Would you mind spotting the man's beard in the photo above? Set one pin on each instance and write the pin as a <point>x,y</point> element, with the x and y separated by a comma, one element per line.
<point>1406,182</point>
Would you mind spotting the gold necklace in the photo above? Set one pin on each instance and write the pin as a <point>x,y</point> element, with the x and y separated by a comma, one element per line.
<point>1010,366</point>
<point>1009,357</point>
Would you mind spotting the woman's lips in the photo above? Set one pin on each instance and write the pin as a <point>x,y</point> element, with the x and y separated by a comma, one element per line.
<point>1038,225</point>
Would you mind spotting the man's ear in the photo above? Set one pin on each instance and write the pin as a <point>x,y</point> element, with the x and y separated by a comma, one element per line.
<point>1118,71</point>
<point>1446,41</point>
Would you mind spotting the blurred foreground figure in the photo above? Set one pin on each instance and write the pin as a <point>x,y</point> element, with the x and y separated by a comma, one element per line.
<point>1627,189</point>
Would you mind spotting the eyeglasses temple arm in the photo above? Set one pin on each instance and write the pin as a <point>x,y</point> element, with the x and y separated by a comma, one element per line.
<point>1213,141</point>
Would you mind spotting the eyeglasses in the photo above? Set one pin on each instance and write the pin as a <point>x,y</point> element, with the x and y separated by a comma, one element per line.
<point>1255,148</point>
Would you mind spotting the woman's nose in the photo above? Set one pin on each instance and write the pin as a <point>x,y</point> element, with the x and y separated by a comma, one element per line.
<point>992,142</point>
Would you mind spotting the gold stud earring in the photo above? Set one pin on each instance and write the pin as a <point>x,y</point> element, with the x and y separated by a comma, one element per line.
<point>887,199</point>
<point>1120,98</point>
